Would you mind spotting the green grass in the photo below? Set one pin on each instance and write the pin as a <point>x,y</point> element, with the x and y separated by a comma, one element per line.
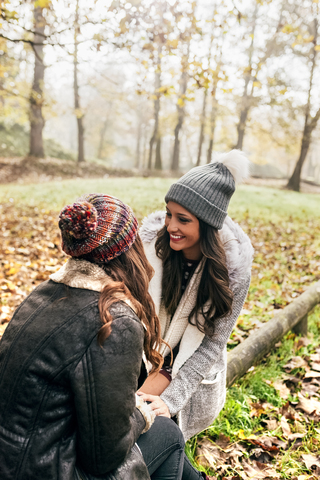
<point>235,421</point>
<point>274,204</point>
<point>143,194</point>
<point>147,194</point>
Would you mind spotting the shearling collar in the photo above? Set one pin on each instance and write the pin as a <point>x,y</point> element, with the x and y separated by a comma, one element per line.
<point>81,274</point>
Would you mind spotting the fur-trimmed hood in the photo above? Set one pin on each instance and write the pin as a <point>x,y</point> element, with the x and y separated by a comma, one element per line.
<point>237,245</point>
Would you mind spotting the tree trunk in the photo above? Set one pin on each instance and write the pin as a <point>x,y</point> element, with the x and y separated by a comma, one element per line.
<point>158,164</point>
<point>36,96</point>
<point>155,133</point>
<point>77,108</point>
<point>213,117</point>
<point>294,181</point>
<point>247,96</point>
<point>181,111</point>
<point>138,145</point>
<point>145,147</point>
<point>202,123</point>
<point>176,147</point>
<point>204,104</point>
<point>261,342</point>
<point>241,127</point>
<point>102,137</point>
<point>104,130</point>
<point>310,122</point>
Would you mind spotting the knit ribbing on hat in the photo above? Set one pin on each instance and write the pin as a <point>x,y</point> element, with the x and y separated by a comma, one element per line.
<point>97,225</point>
<point>205,192</point>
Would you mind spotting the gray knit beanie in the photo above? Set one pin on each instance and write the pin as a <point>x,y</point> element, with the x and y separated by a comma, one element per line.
<point>206,191</point>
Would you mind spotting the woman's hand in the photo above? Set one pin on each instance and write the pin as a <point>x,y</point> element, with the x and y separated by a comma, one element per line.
<point>157,405</point>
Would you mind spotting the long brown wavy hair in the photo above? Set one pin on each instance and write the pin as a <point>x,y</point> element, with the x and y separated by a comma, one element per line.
<point>214,296</point>
<point>130,274</point>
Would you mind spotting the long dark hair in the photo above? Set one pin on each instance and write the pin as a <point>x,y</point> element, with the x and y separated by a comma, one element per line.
<point>214,287</point>
<point>130,274</point>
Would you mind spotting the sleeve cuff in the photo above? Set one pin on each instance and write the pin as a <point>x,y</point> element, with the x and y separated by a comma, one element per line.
<point>146,412</point>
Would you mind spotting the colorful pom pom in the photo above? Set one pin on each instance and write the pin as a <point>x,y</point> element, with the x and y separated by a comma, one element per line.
<point>79,220</point>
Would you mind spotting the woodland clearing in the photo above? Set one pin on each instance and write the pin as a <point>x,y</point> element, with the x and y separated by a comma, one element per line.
<point>269,427</point>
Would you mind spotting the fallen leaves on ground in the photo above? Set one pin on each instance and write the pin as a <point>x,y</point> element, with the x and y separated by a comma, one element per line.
<point>30,252</point>
<point>283,431</point>
<point>287,261</point>
<point>312,463</point>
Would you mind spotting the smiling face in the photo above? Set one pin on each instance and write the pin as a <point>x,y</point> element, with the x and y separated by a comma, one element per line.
<point>184,230</point>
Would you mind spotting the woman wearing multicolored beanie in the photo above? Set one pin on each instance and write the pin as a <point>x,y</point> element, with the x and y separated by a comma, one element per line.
<point>71,361</point>
<point>202,262</point>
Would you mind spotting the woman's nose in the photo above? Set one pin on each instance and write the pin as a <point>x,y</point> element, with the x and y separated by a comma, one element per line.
<point>172,226</point>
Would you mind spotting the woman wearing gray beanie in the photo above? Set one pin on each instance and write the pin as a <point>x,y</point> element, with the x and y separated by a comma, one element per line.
<point>202,262</point>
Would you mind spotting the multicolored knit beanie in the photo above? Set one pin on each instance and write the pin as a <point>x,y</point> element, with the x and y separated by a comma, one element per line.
<point>98,226</point>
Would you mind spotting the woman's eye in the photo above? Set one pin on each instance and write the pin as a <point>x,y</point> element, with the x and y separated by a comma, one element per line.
<point>168,214</point>
<point>184,220</point>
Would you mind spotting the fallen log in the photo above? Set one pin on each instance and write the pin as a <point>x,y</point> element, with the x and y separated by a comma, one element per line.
<point>260,343</point>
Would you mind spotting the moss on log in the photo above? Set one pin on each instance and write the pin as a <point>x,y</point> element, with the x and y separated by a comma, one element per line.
<point>260,343</point>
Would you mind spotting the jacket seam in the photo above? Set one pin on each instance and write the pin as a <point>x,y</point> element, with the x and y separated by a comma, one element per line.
<point>89,401</point>
<point>30,359</point>
<point>132,317</point>
<point>23,327</point>
<point>92,392</point>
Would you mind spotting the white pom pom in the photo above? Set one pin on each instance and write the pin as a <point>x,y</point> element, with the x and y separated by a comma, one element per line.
<point>236,162</point>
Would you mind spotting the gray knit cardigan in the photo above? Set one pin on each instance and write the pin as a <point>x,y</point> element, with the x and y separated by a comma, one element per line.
<point>197,391</point>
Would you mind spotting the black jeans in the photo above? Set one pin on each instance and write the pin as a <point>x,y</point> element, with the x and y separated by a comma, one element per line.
<point>162,447</point>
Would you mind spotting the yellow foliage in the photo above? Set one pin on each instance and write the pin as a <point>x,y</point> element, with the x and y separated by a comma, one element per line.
<point>180,102</point>
<point>308,39</point>
<point>243,436</point>
<point>42,3</point>
<point>288,28</point>
<point>147,46</point>
<point>78,112</point>
<point>173,43</point>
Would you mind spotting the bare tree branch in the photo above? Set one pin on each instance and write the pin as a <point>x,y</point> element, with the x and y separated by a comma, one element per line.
<point>10,92</point>
<point>34,44</point>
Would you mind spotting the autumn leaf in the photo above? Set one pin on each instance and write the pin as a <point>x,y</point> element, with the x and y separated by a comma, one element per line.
<point>259,470</point>
<point>312,462</point>
<point>285,427</point>
<point>308,405</point>
<point>272,424</point>
<point>283,390</point>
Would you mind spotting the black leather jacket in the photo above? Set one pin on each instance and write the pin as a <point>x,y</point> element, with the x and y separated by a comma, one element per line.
<point>65,400</point>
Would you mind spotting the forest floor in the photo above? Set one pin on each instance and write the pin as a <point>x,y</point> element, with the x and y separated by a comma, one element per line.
<point>25,170</point>
<point>269,427</point>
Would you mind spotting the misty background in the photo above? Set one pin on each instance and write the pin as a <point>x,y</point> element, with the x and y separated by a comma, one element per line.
<point>162,85</point>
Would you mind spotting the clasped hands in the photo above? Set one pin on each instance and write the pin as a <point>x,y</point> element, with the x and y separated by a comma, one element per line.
<point>156,404</point>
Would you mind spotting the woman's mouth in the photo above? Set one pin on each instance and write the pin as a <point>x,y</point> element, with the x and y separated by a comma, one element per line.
<point>176,238</point>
